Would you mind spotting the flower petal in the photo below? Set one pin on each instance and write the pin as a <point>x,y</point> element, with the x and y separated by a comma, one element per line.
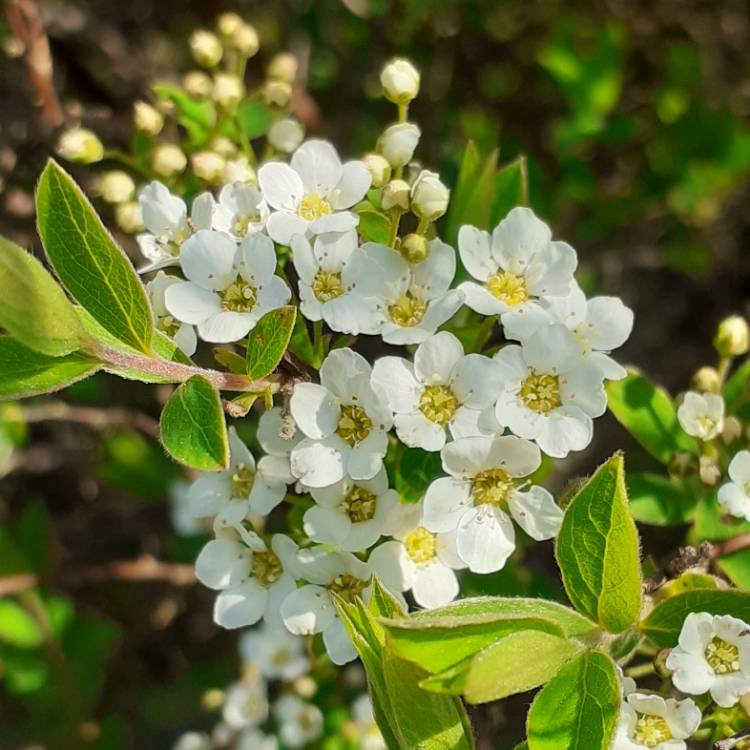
<point>281,186</point>
<point>474,249</point>
<point>445,502</point>
<point>536,512</point>
<point>190,303</point>
<point>436,359</point>
<point>434,585</point>
<point>485,539</point>
<point>308,610</point>
<point>317,463</point>
<point>241,606</point>
<point>207,259</point>
<point>226,326</point>
<point>314,409</point>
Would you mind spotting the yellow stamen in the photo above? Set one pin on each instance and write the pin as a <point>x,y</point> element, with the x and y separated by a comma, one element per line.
<point>239,296</point>
<point>421,545</point>
<point>359,504</point>
<point>541,392</point>
<point>651,730</point>
<point>354,424</point>
<point>312,207</point>
<point>407,311</point>
<point>491,487</point>
<point>242,481</point>
<point>438,403</point>
<point>267,567</point>
<point>327,286</point>
<point>722,656</point>
<point>508,288</point>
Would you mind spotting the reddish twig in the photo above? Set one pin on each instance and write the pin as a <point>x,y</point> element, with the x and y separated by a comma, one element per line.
<point>740,542</point>
<point>98,419</point>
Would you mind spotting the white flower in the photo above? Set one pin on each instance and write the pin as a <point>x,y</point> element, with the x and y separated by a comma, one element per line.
<point>286,135</point>
<point>364,718</point>
<point>702,415</point>
<point>167,223</point>
<point>238,170</point>
<point>181,514</point>
<point>254,739</point>
<point>326,283</point>
<point>444,388</point>
<point>417,559</point>
<point>277,653</point>
<point>412,300</point>
<point>193,741</point>
<point>181,333</point>
<point>429,196</point>
<point>252,578</point>
<point>600,324</point>
<point>400,81</point>
<point>208,166</point>
<point>245,488</point>
<point>712,655</point>
<point>551,393</point>
<point>480,493</point>
<point>351,514</point>
<point>246,704</point>
<point>398,143</point>
<point>313,192</point>
<point>241,210</point>
<point>650,721</point>
<point>310,609</point>
<point>734,496</point>
<point>345,421</point>
<point>277,435</point>
<point>300,722</point>
<point>229,288</point>
<point>515,266</point>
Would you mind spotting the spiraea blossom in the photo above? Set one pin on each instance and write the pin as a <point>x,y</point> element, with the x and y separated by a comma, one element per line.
<point>516,266</point>
<point>246,704</point>
<point>483,493</point>
<point>345,421</point>
<point>229,287</point>
<point>277,653</point>
<point>181,333</point>
<point>241,210</point>
<point>712,656</point>
<point>300,723</point>
<point>702,415</point>
<point>313,193</point>
<point>734,496</point>
<point>443,389</point>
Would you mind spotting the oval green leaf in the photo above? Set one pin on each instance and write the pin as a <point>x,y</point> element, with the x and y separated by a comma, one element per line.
<point>269,340</point>
<point>661,501</point>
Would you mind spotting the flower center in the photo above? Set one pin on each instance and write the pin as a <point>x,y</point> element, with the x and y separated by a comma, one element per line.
<point>508,288</point>
<point>306,719</point>
<point>359,504</point>
<point>707,424</point>
<point>242,223</point>
<point>541,392</point>
<point>267,567</point>
<point>241,481</point>
<point>347,587</point>
<point>239,296</point>
<point>651,730</point>
<point>722,656</point>
<point>168,325</point>
<point>327,286</point>
<point>354,424</point>
<point>280,657</point>
<point>491,487</point>
<point>312,207</point>
<point>421,545</point>
<point>407,311</point>
<point>438,403</point>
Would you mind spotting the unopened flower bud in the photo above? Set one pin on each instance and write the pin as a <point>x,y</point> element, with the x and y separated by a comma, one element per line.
<point>238,170</point>
<point>732,337</point>
<point>398,142</point>
<point>228,91</point>
<point>223,146</point>
<point>414,248</point>
<point>732,430</point>
<point>285,135</point>
<point>429,197</point>
<point>147,119</point>
<point>128,217</point>
<point>706,380</point>
<point>168,160</point>
<point>206,48</point>
<point>245,40</point>
<point>116,186</point>
<point>708,471</point>
<point>277,93</point>
<point>400,81</point>
<point>396,194</point>
<point>198,84</point>
<point>305,686</point>
<point>209,166</point>
<point>283,67</point>
<point>379,168</point>
<point>228,23</point>
<point>80,145</point>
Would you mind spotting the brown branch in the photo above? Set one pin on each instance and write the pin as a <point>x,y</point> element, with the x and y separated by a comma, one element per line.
<point>740,542</point>
<point>98,419</point>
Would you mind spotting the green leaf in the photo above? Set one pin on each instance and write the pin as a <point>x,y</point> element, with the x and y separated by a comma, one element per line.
<point>374,226</point>
<point>24,372</point>
<point>661,501</point>
<point>382,603</point>
<point>463,192</point>
<point>33,308</point>
<point>578,709</point>
<point>415,470</point>
<point>269,340</point>
<point>255,119</point>
<point>713,523</point>
<point>736,567</point>
<point>511,189</point>
<point>193,430</point>
<point>89,263</point>
<point>301,345</point>
<point>598,553</point>
<point>737,388</point>
<point>17,627</point>
<point>665,621</point>
<point>195,115</point>
<point>229,359</point>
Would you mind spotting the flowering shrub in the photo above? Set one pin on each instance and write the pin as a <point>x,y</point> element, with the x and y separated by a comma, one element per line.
<point>384,470</point>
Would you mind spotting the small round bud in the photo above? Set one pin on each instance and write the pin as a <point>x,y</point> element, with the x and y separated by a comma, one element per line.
<point>283,67</point>
<point>228,23</point>
<point>285,135</point>
<point>116,187</point>
<point>128,217</point>
<point>414,248</point>
<point>239,170</point>
<point>398,142</point>
<point>732,337</point>
<point>209,166</point>
<point>80,145</point>
<point>305,686</point>
<point>198,84</point>
<point>223,146</point>
<point>706,380</point>
<point>168,160</point>
<point>147,119</point>
<point>708,471</point>
<point>400,81</point>
<point>396,194</point>
<point>228,91</point>
<point>732,430</point>
<point>379,168</point>
<point>277,93</point>
<point>245,40</point>
<point>206,48</point>
<point>429,197</point>
<point>193,741</point>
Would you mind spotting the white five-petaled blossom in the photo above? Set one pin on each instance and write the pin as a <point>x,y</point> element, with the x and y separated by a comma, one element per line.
<point>240,210</point>
<point>412,301</point>
<point>345,421</point>
<point>516,266</point>
<point>181,333</point>
<point>300,723</point>
<point>246,704</point>
<point>653,722</point>
<point>418,559</point>
<point>351,514</point>
<point>229,288</point>
<point>443,388</point>
<point>310,609</point>
<point>734,496</point>
<point>254,739</point>
<point>481,495</point>
<point>369,736</point>
<point>193,741</point>
<point>712,655</point>
<point>184,521</point>
<point>252,578</point>
<point>550,392</point>
<point>326,283</point>
<point>702,415</point>
<point>313,193</point>
<point>277,435</point>
<point>277,653</point>
<point>168,225</point>
<point>601,324</point>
